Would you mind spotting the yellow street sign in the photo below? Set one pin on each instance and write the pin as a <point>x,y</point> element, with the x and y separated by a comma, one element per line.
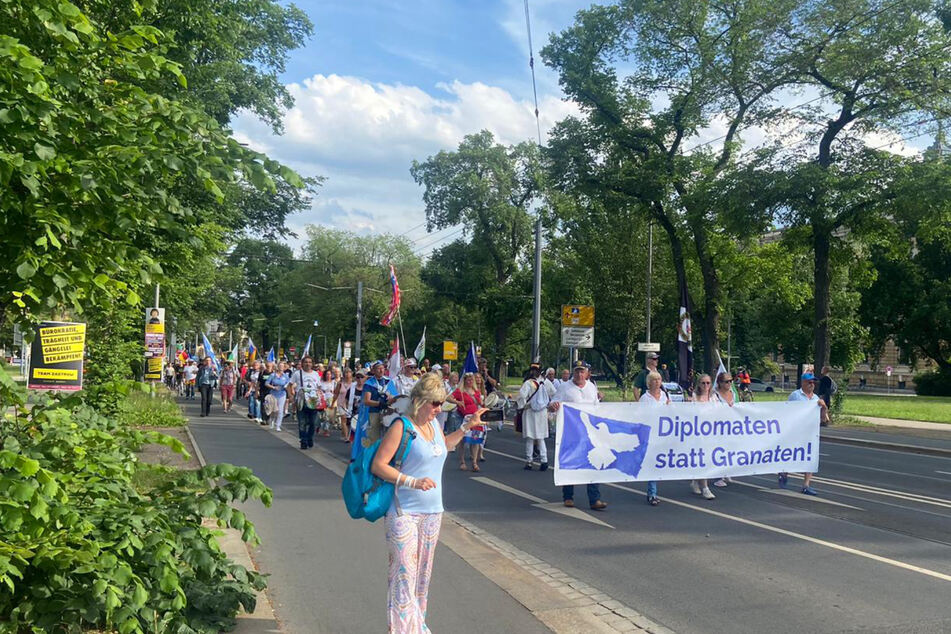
<point>573,315</point>
<point>450,350</point>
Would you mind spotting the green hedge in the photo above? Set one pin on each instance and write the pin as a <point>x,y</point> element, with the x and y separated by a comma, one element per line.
<point>936,383</point>
<point>144,409</point>
<point>85,545</point>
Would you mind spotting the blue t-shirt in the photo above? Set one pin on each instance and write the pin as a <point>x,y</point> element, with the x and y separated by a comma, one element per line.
<point>373,388</point>
<point>277,384</point>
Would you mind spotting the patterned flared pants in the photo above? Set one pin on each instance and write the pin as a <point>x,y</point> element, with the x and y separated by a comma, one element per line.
<point>411,540</point>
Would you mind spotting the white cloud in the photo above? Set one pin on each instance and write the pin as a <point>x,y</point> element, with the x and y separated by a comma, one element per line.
<point>363,137</point>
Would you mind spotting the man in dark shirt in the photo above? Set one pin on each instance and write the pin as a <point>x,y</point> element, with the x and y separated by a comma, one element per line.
<point>640,381</point>
<point>490,383</point>
<point>826,388</point>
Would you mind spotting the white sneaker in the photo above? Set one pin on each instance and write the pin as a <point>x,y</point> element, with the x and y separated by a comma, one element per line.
<point>695,487</point>
<point>270,425</point>
<point>720,483</point>
<point>277,429</point>
<point>708,494</point>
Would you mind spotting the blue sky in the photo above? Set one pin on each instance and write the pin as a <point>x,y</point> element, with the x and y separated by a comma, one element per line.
<point>385,82</point>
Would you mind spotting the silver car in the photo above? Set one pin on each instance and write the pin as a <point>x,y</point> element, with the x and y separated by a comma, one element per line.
<point>674,391</point>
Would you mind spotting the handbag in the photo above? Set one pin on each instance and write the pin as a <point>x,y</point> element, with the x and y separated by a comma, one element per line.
<point>518,412</point>
<point>365,494</point>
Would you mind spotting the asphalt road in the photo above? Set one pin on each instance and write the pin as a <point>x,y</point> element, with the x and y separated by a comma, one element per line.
<point>871,553</point>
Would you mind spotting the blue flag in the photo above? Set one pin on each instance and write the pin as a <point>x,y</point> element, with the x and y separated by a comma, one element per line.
<point>209,352</point>
<point>471,364</point>
<point>270,355</point>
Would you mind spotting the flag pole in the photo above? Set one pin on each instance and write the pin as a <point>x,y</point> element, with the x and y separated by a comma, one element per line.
<point>399,318</point>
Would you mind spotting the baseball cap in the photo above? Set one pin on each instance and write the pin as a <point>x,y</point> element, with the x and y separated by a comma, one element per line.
<point>410,361</point>
<point>361,372</point>
<point>653,355</point>
<point>436,366</point>
<point>376,363</point>
<point>808,376</point>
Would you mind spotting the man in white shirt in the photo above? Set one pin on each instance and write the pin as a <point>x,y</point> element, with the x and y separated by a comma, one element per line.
<point>406,379</point>
<point>579,390</point>
<point>532,400</point>
<point>304,388</point>
<point>189,373</point>
<point>807,392</point>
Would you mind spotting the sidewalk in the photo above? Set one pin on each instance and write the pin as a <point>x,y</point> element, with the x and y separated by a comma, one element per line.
<point>907,424</point>
<point>327,571</point>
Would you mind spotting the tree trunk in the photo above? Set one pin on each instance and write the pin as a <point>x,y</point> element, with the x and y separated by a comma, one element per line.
<point>711,296</point>
<point>822,279</point>
<point>501,336</point>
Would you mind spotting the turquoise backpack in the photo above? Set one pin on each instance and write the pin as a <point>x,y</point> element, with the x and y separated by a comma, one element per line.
<point>366,495</point>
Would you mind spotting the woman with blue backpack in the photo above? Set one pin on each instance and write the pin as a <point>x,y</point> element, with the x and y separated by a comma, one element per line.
<point>414,517</point>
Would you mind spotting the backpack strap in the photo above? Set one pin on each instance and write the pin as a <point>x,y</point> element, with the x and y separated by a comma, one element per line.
<point>409,433</point>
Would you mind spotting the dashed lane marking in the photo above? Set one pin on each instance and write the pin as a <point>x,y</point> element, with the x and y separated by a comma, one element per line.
<point>554,507</point>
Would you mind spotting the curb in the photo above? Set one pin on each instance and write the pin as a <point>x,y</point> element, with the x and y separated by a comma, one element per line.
<point>560,602</point>
<point>894,446</point>
<point>262,620</point>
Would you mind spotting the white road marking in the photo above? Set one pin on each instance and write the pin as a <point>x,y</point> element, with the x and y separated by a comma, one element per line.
<point>879,469</point>
<point>944,472</point>
<point>508,489</point>
<point>823,454</point>
<point>554,507</point>
<point>867,488</point>
<point>782,531</point>
<point>810,498</point>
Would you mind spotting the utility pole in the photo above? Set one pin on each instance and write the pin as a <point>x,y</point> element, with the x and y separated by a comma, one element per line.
<point>356,352</point>
<point>650,275</point>
<point>537,316</point>
<point>279,340</point>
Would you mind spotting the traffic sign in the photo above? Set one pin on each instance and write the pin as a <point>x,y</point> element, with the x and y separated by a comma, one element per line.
<point>450,350</point>
<point>574,315</point>
<point>347,350</point>
<point>577,337</point>
<point>648,346</point>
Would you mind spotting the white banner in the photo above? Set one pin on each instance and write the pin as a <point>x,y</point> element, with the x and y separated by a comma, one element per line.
<point>624,442</point>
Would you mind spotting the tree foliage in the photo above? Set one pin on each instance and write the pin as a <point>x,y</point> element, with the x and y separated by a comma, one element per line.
<point>91,158</point>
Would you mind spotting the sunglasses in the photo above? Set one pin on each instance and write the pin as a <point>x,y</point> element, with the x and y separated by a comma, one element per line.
<point>436,404</point>
<point>725,381</point>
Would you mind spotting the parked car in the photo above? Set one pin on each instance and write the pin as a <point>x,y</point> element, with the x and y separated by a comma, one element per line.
<point>674,391</point>
<point>757,385</point>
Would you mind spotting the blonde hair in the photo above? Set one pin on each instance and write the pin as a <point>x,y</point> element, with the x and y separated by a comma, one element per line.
<point>654,375</point>
<point>428,389</point>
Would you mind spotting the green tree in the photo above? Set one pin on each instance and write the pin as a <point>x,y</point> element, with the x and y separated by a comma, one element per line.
<point>883,66</point>
<point>908,301</point>
<point>651,75</point>
<point>488,188</point>
<point>232,51</point>
<point>90,160</point>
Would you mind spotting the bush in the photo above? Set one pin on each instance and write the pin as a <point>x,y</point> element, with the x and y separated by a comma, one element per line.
<point>935,383</point>
<point>85,544</point>
<point>158,409</point>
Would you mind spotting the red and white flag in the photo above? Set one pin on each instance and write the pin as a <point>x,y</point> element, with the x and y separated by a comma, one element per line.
<point>394,302</point>
<point>395,362</point>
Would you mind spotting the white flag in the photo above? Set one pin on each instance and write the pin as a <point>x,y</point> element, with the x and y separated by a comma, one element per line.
<point>421,347</point>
